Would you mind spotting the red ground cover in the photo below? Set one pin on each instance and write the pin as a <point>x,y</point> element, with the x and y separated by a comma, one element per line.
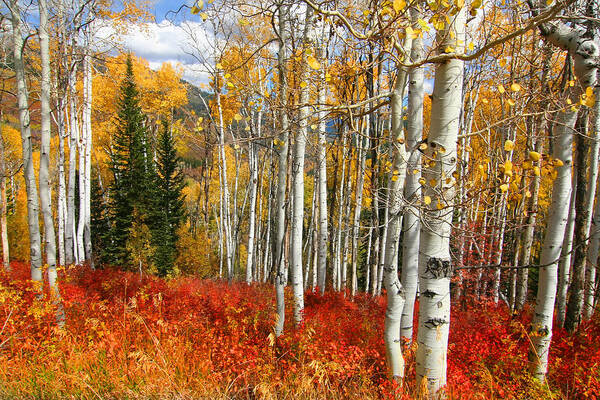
<point>132,337</point>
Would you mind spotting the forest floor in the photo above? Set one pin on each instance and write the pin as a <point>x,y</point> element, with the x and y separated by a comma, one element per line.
<point>132,338</point>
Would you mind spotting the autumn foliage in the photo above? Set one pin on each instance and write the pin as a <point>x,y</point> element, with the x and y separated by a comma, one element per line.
<point>132,337</point>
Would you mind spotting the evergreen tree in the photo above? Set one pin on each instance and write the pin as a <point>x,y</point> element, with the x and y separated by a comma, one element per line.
<point>169,211</point>
<point>132,169</point>
<point>99,224</point>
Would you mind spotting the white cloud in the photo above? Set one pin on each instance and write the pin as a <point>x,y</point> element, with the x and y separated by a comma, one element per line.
<point>187,44</point>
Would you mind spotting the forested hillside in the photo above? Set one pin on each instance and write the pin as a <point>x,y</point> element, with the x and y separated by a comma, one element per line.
<point>323,199</point>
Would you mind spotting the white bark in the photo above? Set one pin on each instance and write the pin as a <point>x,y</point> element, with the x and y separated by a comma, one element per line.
<point>551,249</point>
<point>564,265</point>
<point>395,203</point>
<point>280,211</point>
<point>3,206</point>
<point>435,265</point>
<point>71,247</point>
<point>298,176</point>
<point>412,189</point>
<point>253,165</point>
<point>323,234</point>
<point>594,242</point>
<point>35,255</point>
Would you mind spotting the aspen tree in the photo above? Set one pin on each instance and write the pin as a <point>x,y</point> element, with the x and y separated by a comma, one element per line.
<point>282,147</point>
<point>435,265</point>
<point>35,249</point>
<point>396,178</point>
<point>412,188</point>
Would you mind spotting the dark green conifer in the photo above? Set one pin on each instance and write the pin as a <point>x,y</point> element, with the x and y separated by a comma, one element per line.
<point>168,210</point>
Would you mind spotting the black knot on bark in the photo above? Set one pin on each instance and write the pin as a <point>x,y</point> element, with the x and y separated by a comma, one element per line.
<point>428,293</point>
<point>439,268</point>
<point>435,322</point>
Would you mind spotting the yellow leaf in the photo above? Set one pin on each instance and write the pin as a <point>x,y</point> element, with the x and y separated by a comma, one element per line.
<point>439,205</point>
<point>504,187</point>
<point>515,87</point>
<point>247,128</point>
<point>313,63</point>
<point>303,85</point>
<point>432,182</point>
<point>399,5</point>
<point>508,166</point>
<point>509,145</point>
<point>229,84</point>
<point>219,66</point>
<point>243,22</point>
<point>511,102</point>
<point>422,181</point>
<point>536,171</point>
<point>427,200</point>
<point>313,127</point>
<point>449,49</point>
<point>485,101</point>
<point>423,146</point>
<point>395,178</point>
<point>558,163</point>
<point>204,16</point>
<point>534,156</point>
<point>501,89</point>
<point>200,119</point>
<point>471,46</point>
<point>528,194</point>
<point>423,24</point>
<point>237,117</point>
<point>459,4</point>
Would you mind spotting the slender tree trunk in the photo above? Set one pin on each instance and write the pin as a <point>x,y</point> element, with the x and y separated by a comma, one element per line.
<point>45,194</point>
<point>412,189</point>
<point>253,165</point>
<point>3,205</point>
<point>282,147</point>
<point>35,248</point>
<point>551,248</point>
<point>435,264</point>
<point>592,255</point>
<point>323,233</point>
<point>584,205</point>
<point>71,246</point>
<point>87,200</point>
<point>396,179</point>
<point>564,265</point>
<point>360,179</point>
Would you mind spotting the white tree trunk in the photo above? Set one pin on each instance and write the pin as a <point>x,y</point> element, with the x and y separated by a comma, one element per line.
<point>323,234</point>
<point>396,178</point>
<point>564,265</point>
<point>253,165</point>
<point>35,248</point>
<point>435,265</point>
<point>3,206</point>
<point>282,147</point>
<point>412,189</point>
<point>71,246</point>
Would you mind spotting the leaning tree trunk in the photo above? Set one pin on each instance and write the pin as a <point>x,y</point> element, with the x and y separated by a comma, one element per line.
<point>584,52</point>
<point>35,248</point>
<point>435,264</point>
<point>396,178</point>
<point>412,189</point>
